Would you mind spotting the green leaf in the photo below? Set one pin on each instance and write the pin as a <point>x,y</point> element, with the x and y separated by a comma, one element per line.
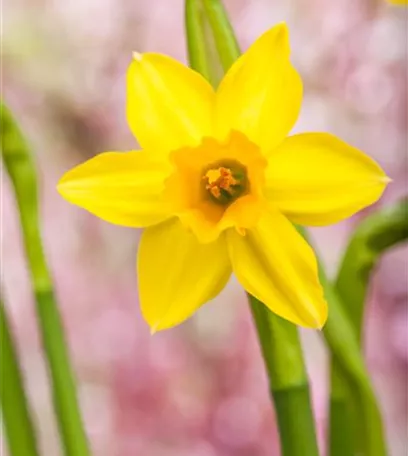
<point>224,35</point>
<point>380,231</point>
<point>377,233</point>
<point>17,417</point>
<point>20,167</point>
<point>200,43</point>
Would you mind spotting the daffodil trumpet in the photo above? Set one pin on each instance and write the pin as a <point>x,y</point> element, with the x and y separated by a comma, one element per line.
<point>218,184</point>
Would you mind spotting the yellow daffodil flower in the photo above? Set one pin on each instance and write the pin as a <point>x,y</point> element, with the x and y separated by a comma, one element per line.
<point>218,185</point>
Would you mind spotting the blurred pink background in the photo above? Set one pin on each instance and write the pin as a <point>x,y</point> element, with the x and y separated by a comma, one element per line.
<point>199,389</point>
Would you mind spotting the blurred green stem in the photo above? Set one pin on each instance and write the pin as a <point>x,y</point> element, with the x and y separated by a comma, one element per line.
<point>341,428</point>
<point>375,234</point>
<point>19,165</point>
<point>341,338</point>
<point>288,383</point>
<point>17,419</point>
<point>343,343</point>
<point>279,339</point>
<point>200,42</point>
<point>224,35</point>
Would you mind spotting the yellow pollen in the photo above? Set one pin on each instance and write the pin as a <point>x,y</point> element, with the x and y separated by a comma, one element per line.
<point>219,179</point>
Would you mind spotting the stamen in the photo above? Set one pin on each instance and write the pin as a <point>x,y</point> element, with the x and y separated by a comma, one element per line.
<point>220,179</point>
<point>224,182</point>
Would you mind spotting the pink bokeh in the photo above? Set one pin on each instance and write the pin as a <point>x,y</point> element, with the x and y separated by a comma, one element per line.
<point>199,389</point>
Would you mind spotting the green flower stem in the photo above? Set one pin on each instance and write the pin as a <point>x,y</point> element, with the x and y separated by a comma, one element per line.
<point>340,434</point>
<point>224,35</point>
<point>19,165</point>
<point>375,234</point>
<point>342,340</point>
<point>18,424</point>
<point>279,339</point>
<point>200,43</point>
<point>287,375</point>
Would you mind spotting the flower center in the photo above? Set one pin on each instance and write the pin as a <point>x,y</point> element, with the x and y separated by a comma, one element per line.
<point>225,182</point>
<point>217,185</point>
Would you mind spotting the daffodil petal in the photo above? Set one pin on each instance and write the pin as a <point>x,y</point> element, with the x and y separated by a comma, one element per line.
<point>277,266</point>
<point>177,274</point>
<point>317,179</point>
<point>120,187</point>
<point>261,94</point>
<point>168,104</point>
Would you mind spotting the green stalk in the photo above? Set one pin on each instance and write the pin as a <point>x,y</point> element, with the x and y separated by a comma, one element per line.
<point>279,339</point>
<point>224,35</point>
<point>341,428</point>
<point>19,165</point>
<point>200,45</point>
<point>368,436</point>
<point>374,235</point>
<point>341,338</point>
<point>18,423</point>
<point>288,383</point>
